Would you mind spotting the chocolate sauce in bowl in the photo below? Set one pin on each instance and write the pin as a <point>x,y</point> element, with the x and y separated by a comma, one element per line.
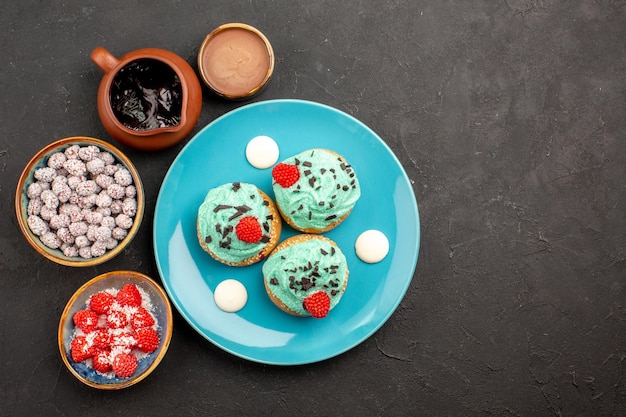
<point>146,94</point>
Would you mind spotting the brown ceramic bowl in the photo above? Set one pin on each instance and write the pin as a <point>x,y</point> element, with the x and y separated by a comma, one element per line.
<point>236,61</point>
<point>27,178</point>
<point>160,310</point>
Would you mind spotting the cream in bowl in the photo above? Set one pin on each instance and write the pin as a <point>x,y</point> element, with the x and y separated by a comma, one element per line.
<point>236,61</point>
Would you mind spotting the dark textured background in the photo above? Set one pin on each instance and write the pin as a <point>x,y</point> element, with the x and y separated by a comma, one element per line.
<point>508,117</point>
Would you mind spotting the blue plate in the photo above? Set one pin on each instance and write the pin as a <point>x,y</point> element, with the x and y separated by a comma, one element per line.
<point>260,332</point>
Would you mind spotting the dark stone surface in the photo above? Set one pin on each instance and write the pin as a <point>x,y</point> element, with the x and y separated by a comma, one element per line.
<point>508,117</point>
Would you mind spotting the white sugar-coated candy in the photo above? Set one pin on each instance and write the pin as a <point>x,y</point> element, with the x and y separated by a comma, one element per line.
<point>111,243</point>
<point>129,206</point>
<point>37,225</point>
<point>108,222</point>
<point>105,211</point>
<point>372,246</point>
<point>56,160</point>
<point>116,191</point>
<point>87,153</point>
<point>262,152</point>
<point>59,221</point>
<point>92,217</point>
<point>115,207</point>
<point>81,241</point>
<point>46,213</point>
<point>131,191</point>
<point>110,170</point>
<point>75,167</point>
<point>45,174</point>
<point>119,233</point>
<point>95,166</point>
<point>70,251</point>
<point>86,188</point>
<point>34,207</point>
<point>49,199</point>
<point>78,228</point>
<point>104,180</point>
<point>123,177</point>
<point>65,235</point>
<point>85,252</point>
<point>123,221</point>
<point>230,295</point>
<point>51,240</point>
<point>103,199</point>
<point>73,181</point>
<point>71,152</point>
<point>98,249</point>
<point>34,190</point>
<point>106,157</point>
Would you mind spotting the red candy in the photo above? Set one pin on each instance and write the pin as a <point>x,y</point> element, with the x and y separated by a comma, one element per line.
<point>285,175</point>
<point>249,230</point>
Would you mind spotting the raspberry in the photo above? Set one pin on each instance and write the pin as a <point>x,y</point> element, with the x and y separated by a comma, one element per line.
<point>101,361</point>
<point>141,318</point>
<point>101,302</point>
<point>129,296</point>
<point>116,319</point>
<point>86,320</point>
<point>101,339</point>
<point>124,365</point>
<point>125,340</point>
<point>285,175</point>
<point>317,304</point>
<point>80,349</point>
<point>147,339</point>
<point>249,230</point>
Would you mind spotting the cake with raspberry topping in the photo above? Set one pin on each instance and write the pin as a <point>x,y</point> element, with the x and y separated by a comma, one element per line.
<point>238,224</point>
<point>315,190</point>
<point>306,275</point>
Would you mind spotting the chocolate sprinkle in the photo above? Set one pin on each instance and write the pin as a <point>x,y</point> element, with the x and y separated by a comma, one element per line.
<point>297,161</point>
<point>236,186</point>
<point>307,172</point>
<point>208,239</point>
<point>334,292</point>
<point>307,164</point>
<point>274,281</point>
<point>323,170</point>
<point>323,251</point>
<point>331,217</point>
<point>221,207</point>
<point>265,239</point>
<point>266,203</point>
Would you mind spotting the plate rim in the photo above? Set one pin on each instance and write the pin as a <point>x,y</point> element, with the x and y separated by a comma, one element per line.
<point>402,291</point>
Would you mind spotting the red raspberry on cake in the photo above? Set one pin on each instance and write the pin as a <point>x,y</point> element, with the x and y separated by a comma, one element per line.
<point>80,349</point>
<point>129,295</point>
<point>86,320</point>
<point>317,304</point>
<point>285,175</point>
<point>147,339</point>
<point>249,230</point>
<point>141,318</point>
<point>124,365</point>
<point>101,302</point>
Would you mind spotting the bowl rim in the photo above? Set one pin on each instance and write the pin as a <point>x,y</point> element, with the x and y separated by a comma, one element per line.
<point>166,335</point>
<point>235,26</point>
<point>56,255</point>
